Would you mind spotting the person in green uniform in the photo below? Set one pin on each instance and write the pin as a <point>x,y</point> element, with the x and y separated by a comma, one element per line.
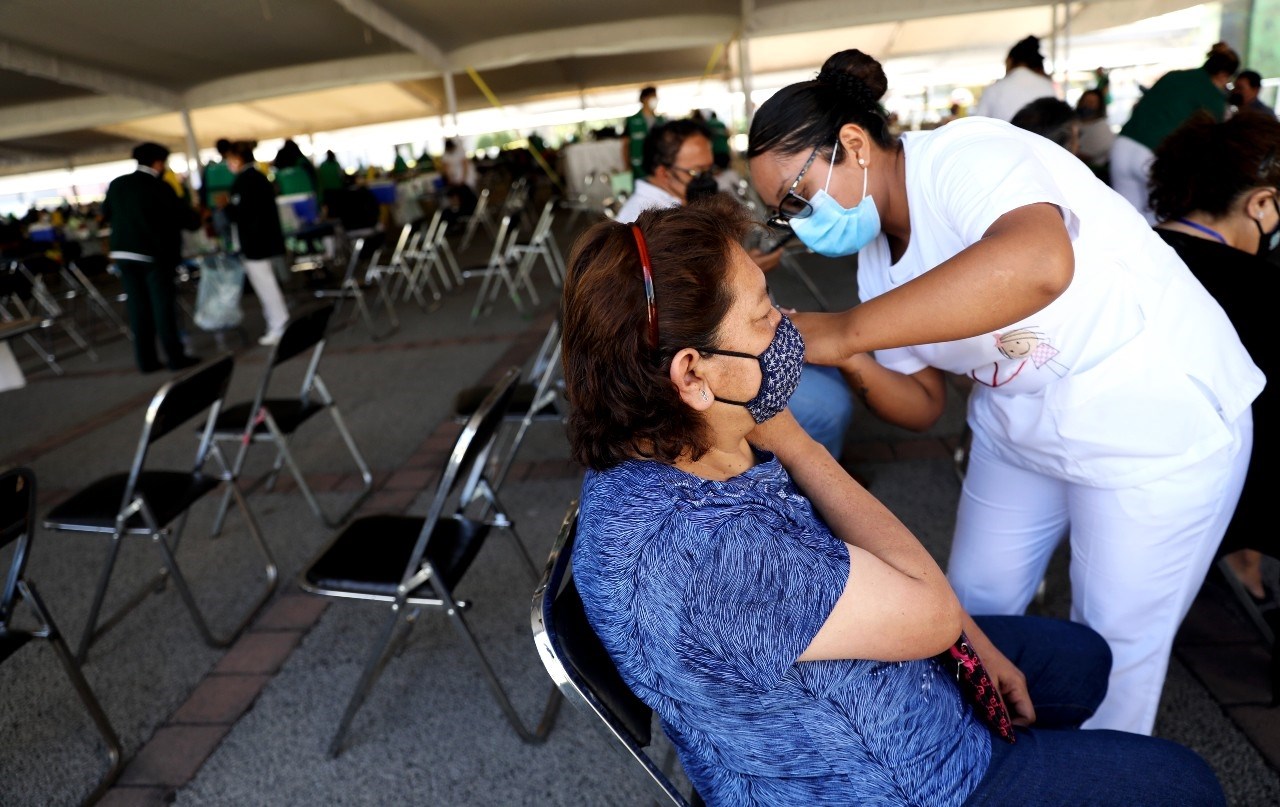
<point>215,187</point>
<point>635,129</point>
<point>1171,101</point>
<point>329,174</point>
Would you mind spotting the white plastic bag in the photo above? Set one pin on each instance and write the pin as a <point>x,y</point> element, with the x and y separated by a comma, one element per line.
<point>218,296</point>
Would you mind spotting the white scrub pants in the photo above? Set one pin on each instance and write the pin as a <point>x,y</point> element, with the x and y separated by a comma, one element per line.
<point>1138,557</point>
<point>1130,173</point>
<point>263,279</point>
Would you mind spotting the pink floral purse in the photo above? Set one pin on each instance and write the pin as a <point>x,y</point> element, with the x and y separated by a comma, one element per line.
<point>977,688</point>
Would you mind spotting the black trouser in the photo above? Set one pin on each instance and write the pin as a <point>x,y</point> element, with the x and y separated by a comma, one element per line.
<point>152,313</point>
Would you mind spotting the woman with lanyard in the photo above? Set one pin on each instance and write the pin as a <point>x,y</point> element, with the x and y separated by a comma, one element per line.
<point>1112,394</point>
<point>1214,188</point>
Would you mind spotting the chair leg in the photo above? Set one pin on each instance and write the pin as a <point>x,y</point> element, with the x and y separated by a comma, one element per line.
<point>366,475</point>
<point>184,590</point>
<point>549,711</point>
<point>382,651</point>
<point>99,594</point>
<point>115,753</point>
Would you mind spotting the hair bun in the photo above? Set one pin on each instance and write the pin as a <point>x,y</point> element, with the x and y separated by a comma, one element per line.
<point>856,75</point>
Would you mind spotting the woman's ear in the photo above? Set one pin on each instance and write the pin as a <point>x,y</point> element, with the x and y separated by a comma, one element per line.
<point>686,375</point>
<point>854,140</point>
<point>1258,203</point>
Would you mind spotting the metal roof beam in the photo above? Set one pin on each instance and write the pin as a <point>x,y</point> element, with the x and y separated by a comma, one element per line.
<point>24,60</point>
<point>396,29</point>
<point>32,120</point>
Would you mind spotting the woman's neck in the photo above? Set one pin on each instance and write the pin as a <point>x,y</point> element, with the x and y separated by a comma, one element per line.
<point>724,460</point>
<point>1224,230</point>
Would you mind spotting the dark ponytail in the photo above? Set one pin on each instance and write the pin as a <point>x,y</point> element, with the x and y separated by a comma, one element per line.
<point>809,114</point>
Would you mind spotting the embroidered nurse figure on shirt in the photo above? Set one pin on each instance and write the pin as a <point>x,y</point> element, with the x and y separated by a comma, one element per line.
<point>1024,344</point>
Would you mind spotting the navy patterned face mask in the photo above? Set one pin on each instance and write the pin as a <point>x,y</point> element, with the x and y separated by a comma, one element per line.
<point>780,366</point>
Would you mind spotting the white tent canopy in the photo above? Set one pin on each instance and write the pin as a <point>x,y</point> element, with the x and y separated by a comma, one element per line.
<point>80,80</point>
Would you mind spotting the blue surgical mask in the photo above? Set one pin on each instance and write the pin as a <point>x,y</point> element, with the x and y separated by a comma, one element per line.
<point>834,230</point>
<point>780,366</point>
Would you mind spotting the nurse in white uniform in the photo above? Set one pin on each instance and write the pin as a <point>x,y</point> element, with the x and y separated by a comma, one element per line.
<point>1111,397</point>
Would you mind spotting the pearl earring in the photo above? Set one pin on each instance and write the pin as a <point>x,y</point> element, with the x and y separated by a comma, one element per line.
<point>861,161</point>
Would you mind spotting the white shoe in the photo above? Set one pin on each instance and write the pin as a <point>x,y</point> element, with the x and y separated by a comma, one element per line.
<point>269,339</point>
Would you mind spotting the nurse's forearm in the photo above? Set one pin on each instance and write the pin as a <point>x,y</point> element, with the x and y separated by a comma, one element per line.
<point>1022,263</point>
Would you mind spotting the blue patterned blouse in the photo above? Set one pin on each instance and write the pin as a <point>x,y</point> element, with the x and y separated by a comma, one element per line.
<point>705,594</point>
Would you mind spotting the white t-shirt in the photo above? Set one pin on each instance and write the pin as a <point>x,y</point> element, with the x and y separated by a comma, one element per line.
<point>1019,87</point>
<point>646,196</point>
<point>458,168</point>
<point>1132,373</point>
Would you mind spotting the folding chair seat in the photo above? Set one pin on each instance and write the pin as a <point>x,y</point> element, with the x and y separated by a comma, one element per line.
<point>17,525</point>
<point>276,420</point>
<point>534,400</point>
<point>412,563</point>
<point>145,503</point>
<point>352,288</point>
<point>580,666</point>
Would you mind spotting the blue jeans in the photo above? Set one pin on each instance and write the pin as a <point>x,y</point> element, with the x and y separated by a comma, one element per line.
<point>823,406</point>
<point>1053,763</point>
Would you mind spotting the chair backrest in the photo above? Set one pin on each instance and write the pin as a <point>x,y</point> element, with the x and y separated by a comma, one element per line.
<point>498,254</point>
<point>466,464</point>
<point>186,396</point>
<point>543,225</point>
<point>469,458</point>
<point>401,243</point>
<point>580,666</point>
<point>306,328</point>
<point>17,521</point>
<point>197,390</point>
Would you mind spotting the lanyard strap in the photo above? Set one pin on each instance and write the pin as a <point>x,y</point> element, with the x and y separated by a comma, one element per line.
<point>1206,230</point>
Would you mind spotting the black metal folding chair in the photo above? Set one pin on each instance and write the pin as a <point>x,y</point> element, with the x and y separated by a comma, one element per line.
<point>580,666</point>
<point>541,244</point>
<point>276,420</point>
<point>498,272</point>
<point>412,563</point>
<point>353,288</point>
<point>144,503</point>
<point>535,400</point>
<point>477,218</point>
<point>17,524</point>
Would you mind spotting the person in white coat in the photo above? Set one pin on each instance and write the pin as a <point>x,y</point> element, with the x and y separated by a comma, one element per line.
<point>1024,81</point>
<point>1112,394</point>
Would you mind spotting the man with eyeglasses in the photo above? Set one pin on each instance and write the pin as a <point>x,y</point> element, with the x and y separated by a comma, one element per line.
<point>679,167</point>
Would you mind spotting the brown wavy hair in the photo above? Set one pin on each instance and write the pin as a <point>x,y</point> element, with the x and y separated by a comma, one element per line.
<point>1206,165</point>
<point>622,402</point>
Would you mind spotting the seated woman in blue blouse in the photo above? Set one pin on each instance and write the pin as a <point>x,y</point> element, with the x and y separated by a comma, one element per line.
<point>780,620</point>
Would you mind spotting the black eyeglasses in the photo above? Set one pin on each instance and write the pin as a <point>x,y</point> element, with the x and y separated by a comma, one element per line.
<point>792,205</point>
<point>648,286</point>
